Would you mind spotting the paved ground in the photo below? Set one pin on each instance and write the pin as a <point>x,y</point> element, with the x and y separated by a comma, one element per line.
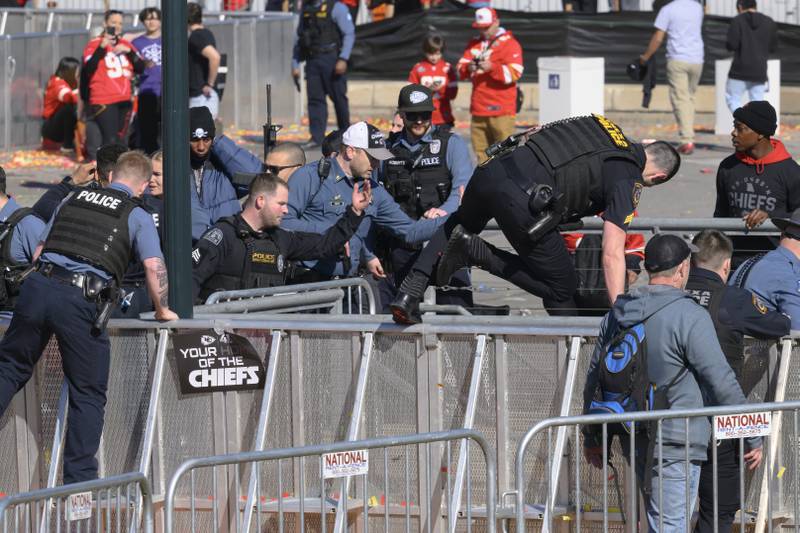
<point>690,194</point>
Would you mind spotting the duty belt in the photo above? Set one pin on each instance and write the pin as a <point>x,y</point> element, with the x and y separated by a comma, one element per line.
<point>61,274</point>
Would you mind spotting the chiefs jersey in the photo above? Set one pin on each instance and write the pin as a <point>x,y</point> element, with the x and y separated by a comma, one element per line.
<point>111,82</point>
<point>494,93</point>
<point>57,94</point>
<point>441,79</point>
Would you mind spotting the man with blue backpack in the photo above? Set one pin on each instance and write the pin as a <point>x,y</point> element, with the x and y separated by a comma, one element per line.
<point>657,349</point>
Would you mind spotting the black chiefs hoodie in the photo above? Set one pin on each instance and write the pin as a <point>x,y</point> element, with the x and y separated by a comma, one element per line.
<point>771,184</point>
<point>751,37</point>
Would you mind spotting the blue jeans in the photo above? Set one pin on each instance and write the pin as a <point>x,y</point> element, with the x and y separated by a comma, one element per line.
<point>674,493</point>
<point>734,89</point>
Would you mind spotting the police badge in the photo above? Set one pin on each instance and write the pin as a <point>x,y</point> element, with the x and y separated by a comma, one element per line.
<point>280,263</point>
<point>637,194</point>
<point>435,146</point>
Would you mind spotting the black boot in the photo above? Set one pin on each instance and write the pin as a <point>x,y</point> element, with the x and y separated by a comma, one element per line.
<point>405,308</point>
<point>464,249</point>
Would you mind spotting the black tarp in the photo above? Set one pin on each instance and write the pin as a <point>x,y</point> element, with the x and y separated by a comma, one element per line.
<point>388,49</point>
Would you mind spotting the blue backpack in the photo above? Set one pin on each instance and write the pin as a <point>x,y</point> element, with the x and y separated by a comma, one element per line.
<point>623,381</point>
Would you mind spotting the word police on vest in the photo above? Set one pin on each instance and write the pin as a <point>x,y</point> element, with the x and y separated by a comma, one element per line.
<point>98,198</point>
<point>211,362</point>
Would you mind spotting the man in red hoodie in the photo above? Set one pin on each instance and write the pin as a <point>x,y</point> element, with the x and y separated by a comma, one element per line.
<point>760,180</point>
<point>493,61</point>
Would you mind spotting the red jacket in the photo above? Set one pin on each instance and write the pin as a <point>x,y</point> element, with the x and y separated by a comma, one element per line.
<point>57,94</point>
<point>111,82</point>
<point>494,93</point>
<point>441,74</point>
<point>634,244</point>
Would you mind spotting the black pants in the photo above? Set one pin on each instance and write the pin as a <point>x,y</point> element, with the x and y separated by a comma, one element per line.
<point>542,268</point>
<point>322,81</point>
<point>148,123</point>
<point>45,307</point>
<point>60,127</point>
<point>106,124</point>
<point>727,488</point>
<point>402,260</point>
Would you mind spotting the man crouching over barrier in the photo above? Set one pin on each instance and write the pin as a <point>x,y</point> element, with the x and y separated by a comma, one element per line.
<point>658,350</point>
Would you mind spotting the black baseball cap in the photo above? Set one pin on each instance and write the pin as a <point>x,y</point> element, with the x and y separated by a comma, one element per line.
<point>201,124</point>
<point>666,251</point>
<point>415,98</point>
<point>784,223</point>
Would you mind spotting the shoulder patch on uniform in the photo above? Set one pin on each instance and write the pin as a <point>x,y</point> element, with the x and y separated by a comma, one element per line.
<point>759,305</point>
<point>214,236</point>
<point>637,194</point>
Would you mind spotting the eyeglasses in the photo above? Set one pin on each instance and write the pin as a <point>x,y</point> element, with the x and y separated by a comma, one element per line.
<point>274,169</point>
<point>419,116</point>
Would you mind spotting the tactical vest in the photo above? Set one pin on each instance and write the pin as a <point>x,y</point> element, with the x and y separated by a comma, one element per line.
<point>709,295</point>
<point>419,180</point>
<point>92,227</point>
<point>573,152</point>
<point>9,288</point>
<point>319,33</point>
<point>256,262</point>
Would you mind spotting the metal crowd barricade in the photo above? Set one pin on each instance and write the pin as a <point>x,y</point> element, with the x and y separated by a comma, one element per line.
<point>306,296</point>
<point>332,378</point>
<point>765,483</point>
<point>388,513</point>
<point>115,504</point>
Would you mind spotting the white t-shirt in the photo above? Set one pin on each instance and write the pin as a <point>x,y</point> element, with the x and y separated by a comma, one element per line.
<point>682,20</point>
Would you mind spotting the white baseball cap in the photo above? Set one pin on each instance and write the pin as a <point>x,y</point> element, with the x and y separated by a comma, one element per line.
<point>484,17</point>
<point>369,138</point>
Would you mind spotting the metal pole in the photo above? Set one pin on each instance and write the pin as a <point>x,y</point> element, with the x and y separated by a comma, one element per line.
<point>272,362</point>
<point>175,126</point>
<point>469,421</point>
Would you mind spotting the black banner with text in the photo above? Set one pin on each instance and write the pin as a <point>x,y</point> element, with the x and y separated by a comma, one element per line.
<point>216,362</point>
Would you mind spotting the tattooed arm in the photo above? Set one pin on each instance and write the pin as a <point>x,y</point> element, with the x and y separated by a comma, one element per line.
<point>158,287</point>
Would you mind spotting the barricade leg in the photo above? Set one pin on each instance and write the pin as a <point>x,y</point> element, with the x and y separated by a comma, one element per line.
<point>469,421</point>
<point>272,363</point>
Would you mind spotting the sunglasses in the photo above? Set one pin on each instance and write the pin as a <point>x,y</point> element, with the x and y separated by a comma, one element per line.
<point>420,116</point>
<point>274,169</point>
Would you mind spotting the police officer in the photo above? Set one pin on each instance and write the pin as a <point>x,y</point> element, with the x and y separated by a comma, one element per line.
<point>735,313</point>
<point>325,38</point>
<point>564,171</point>
<point>424,177</point>
<point>20,229</point>
<point>250,250</point>
<point>85,251</point>
<point>135,298</point>
<point>319,195</point>
<point>775,276</point>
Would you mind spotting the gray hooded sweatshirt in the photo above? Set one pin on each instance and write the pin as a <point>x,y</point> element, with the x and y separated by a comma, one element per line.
<point>679,333</point>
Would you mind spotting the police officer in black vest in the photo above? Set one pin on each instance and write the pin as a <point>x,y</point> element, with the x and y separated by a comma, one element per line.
<point>325,38</point>
<point>84,254</point>
<point>735,312</point>
<point>250,250</point>
<point>429,169</point>
<point>564,171</point>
